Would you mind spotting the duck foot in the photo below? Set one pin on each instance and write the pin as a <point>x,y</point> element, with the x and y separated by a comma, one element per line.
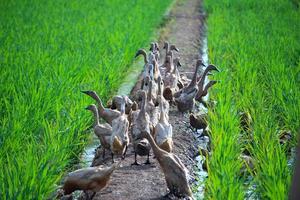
<point>147,162</point>
<point>124,154</point>
<point>135,163</point>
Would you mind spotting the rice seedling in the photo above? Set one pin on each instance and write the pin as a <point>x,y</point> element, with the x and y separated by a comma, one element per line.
<point>256,44</point>
<point>49,51</point>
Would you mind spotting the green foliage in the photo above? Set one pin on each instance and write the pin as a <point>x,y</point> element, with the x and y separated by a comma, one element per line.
<point>257,46</point>
<point>49,51</point>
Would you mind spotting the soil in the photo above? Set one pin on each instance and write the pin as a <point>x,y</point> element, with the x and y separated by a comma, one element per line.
<point>147,181</point>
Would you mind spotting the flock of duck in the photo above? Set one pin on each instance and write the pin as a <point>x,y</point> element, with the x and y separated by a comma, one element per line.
<point>144,122</point>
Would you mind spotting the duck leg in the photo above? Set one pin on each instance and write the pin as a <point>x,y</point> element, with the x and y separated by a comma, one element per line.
<point>112,158</point>
<point>148,159</point>
<point>135,162</point>
<point>94,193</point>
<point>103,153</point>
<point>124,154</point>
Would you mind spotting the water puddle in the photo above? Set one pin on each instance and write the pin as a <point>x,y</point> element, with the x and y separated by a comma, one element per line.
<point>199,172</point>
<point>89,152</point>
<point>202,141</point>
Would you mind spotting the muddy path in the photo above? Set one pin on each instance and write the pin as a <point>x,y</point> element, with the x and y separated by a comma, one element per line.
<point>147,181</point>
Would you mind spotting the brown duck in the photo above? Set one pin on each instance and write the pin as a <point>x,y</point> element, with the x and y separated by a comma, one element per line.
<point>117,101</point>
<point>175,172</point>
<point>120,138</point>
<point>106,113</point>
<point>140,122</point>
<point>102,131</point>
<point>163,130</point>
<point>202,91</point>
<point>89,179</point>
<point>198,121</point>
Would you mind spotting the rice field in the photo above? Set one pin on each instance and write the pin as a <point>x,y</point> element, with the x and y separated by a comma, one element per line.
<point>257,46</point>
<point>49,51</point>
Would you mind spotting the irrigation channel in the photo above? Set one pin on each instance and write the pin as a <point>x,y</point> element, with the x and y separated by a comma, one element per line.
<point>185,29</point>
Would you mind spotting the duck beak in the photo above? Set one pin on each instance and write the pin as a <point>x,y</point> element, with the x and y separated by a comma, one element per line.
<point>214,82</point>
<point>88,92</point>
<point>176,49</point>
<point>212,67</point>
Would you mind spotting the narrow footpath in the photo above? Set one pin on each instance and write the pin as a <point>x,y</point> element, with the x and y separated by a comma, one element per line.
<point>184,29</point>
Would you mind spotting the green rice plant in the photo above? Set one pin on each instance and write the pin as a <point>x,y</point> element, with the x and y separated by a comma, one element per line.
<point>257,46</point>
<point>49,51</point>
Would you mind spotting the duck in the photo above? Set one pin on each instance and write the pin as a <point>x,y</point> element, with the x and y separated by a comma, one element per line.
<point>118,99</point>
<point>170,81</point>
<point>156,70</point>
<point>120,139</point>
<point>148,60</point>
<point>198,121</point>
<point>169,52</point>
<point>180,81</point>
<point>171,78</point>
<point>148,80</point>
<point>170,48</point>
<point>102,131</point>
<point>106,113</point>
<point>140,122</point>
<point>203,90</point>
<point>186,101</point>
<point>193,83</point>
<point>185,98</point>
<point>163,101</point>
<point>163,130</point>
<point>89,179</point>
<point>154,48</point>
<point>175,172</point>
<point>151,109</point>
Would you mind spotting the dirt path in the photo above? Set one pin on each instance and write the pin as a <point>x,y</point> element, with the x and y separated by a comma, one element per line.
<point>147,181</point>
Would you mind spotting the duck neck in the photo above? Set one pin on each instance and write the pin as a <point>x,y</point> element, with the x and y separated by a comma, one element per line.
<point>201,82</point>
<point>202,79</point>
<point>209,84</point>
<point>99,102</point>
<point>143,52</point>
<point>194,79</point>
<point>96,116</point>
<point>156,150</point>
<point>162,118</point>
